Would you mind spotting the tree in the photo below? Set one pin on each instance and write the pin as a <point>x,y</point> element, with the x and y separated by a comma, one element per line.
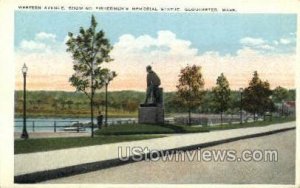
<point>63,103</point>
<point>77,104</point>
<point>69,103</point>
<point>89,50</point>
<point>32,105</point>
<point>221,95</point>
<point>98,103</point>
<point>39,103</point>
<point>173,103</point>
<point>256,97</point>
<point>55,104</point>
<point>190,88</point>
<point>279,95</point>
<point>132,105</point>
<point>291,95</point>
<point>235,102</point>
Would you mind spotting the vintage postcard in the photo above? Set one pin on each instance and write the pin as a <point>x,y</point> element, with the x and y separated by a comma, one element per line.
<point>138,93</point>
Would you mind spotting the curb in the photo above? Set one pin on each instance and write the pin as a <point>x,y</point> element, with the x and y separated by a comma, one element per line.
<point>89,167</point>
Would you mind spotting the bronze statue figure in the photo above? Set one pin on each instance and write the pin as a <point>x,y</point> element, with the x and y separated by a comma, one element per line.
<point>153,82</point>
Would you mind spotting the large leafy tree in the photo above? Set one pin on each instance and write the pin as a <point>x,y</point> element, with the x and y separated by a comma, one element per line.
<point>190,88</point>
<point>256,97</point>
<point>89,49</point>
<point>221,95</point>
<point>279,95</point>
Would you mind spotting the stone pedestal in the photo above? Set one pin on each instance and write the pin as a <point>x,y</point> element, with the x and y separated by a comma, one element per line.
<point>151,114</point>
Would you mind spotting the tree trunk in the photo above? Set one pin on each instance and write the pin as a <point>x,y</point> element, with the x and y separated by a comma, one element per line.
<point>221,117</point>
<point>92,115</point>
<point>92,102</point>
<point>189,121</point>
<point>282,108</point>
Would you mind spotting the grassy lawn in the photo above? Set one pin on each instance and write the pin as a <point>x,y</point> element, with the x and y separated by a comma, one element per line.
<point>275,120</point>
<point>132,129</point>
<point>46,144</point>
<point>127,132</point>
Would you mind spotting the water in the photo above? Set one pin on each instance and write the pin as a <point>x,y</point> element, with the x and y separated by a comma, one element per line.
<point>47,124</point>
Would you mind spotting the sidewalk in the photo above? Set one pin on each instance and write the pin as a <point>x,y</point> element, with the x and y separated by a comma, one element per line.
<point>53,164</point>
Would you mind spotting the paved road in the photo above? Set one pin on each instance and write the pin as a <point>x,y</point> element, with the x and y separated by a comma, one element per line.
<point>280,172</point>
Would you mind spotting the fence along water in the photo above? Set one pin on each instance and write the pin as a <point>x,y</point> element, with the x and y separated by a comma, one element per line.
<point>57,125</point>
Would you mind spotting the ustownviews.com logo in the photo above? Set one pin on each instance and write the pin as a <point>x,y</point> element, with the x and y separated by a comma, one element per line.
<point>137,153</point>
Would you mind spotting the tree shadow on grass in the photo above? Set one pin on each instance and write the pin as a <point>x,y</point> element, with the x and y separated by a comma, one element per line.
<point>175,128</point>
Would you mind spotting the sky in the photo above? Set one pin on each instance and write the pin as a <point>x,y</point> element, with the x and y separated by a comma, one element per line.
<point>233,44</point>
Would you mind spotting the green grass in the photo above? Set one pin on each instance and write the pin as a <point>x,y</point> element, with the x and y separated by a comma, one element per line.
<point>275,120</point>
<point>47,144</point>
<point>132,129</point>
<point>128,132</point>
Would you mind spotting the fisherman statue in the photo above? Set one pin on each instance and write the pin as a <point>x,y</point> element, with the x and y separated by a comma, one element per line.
<point>152,110</point>
<point>153,91</point>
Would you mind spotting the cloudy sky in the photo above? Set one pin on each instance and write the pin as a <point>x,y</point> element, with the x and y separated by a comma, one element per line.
<point>235,44</point>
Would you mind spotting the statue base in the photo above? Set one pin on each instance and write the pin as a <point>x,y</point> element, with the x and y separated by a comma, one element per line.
<point>151,114</point>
